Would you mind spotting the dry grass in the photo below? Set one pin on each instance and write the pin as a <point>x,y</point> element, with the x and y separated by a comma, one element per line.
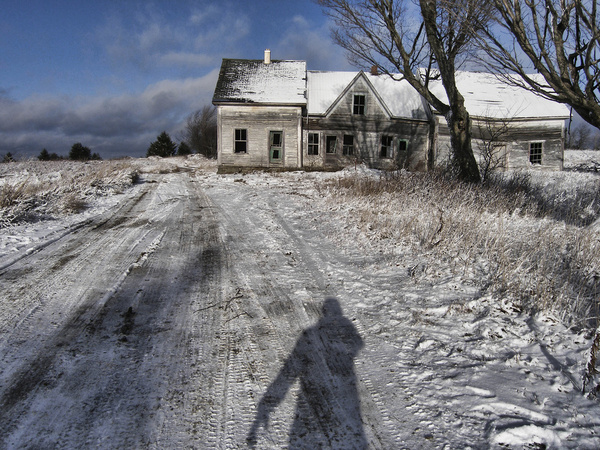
<point>36,190</point>
<point>530,245</point>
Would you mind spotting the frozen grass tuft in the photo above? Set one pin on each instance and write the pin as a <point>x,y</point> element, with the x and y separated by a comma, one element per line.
<point>531,237</point>
<point>37,190</point>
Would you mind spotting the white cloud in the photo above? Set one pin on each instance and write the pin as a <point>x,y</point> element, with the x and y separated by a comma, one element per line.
<point>304,41</point>
<point>194,38</point>
<point>186,59</point>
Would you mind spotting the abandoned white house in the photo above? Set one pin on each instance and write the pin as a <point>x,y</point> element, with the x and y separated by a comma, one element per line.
<point>277,114</point>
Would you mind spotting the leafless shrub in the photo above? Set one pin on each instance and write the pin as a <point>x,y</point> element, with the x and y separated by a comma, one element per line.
<point>491,145</point>
<point>73,203</point>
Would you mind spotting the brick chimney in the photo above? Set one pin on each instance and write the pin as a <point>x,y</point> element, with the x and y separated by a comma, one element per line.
<point>374,70</point>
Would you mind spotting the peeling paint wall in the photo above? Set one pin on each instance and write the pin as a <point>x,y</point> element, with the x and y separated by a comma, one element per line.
<point>259,121</point>
<point>515,142</point>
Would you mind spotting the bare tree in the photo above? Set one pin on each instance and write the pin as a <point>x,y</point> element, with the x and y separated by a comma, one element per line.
<point>559,39</point>
<point>200,131</point>
<point>579,137</point>
<point>419,43</point>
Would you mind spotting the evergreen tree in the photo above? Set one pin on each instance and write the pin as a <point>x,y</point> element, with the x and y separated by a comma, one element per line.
<point>163,146</point>
<point>44,155</point>
<point>80,153</point>
<point>184,149</point>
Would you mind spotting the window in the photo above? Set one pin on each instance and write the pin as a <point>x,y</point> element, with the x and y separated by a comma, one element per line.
<point>348,147</point>
<point>241,141</point>
<point>535,153</point>
<point>402,145</point>
<point>331,144</point>
<point>313,143</point>
<point>386,146</point>
<point>358,106</point>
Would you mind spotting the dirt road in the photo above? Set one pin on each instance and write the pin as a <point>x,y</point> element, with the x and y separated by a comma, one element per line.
<point>160,325</point>
<point>211,312</point>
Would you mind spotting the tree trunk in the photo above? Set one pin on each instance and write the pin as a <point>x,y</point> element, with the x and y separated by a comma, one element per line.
<point>459,124</point>
<point>457,116</point>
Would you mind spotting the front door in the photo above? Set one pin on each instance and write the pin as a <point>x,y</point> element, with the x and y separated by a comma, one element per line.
<point>275,147</point>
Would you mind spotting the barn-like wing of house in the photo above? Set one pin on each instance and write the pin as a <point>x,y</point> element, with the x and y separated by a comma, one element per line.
<point>279,115</point>
<point>522,129</point>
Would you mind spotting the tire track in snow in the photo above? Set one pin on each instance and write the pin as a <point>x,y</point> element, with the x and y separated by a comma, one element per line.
<point>94,320</point>
<point>280,306</point>
<point>26,369</point>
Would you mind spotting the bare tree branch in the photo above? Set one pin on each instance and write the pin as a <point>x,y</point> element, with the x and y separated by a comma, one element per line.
<point>416,45</point>
<point>559,39</point>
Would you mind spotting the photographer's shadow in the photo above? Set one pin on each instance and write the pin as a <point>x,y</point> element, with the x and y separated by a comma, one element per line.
<point>328,406</point>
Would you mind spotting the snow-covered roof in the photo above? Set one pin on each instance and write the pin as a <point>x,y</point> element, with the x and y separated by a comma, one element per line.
<point>487,96</point>
<point>289,83</point>
<point>253,81</point>
<point>401,100</point>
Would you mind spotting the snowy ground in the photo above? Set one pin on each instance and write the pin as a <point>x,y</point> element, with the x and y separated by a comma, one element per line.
<point>188,312</point>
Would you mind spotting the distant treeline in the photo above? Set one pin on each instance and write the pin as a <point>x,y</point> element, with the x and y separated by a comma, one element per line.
<point>198,136</point>
<point>78,152</point>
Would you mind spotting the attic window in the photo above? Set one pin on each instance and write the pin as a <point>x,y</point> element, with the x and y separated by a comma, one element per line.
<point>241,141</point>
<point>358,105</point>
<point>535,153</point>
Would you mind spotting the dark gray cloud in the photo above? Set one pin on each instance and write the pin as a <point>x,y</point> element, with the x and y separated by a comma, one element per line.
<point>113,126</point>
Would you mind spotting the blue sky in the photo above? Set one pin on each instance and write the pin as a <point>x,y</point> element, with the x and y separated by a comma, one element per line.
<point>114,74</point>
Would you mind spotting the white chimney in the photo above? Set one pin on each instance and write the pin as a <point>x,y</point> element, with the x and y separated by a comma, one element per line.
<point>267,56</point>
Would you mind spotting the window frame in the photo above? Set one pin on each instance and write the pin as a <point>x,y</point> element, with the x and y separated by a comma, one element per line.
<point>402,142</point>
<point>359,107</point>
<point>330,138</point>
<point>313,147</point>
<point>238,141</point>
<point>386,150</point>
<point>536,150</point>
<point>276,146</point>
<point>348,148</point>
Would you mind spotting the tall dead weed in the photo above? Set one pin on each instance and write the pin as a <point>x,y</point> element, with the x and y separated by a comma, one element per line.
<point>536,249</point>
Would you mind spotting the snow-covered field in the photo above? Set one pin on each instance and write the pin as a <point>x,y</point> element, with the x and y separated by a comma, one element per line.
<point>215,286</point>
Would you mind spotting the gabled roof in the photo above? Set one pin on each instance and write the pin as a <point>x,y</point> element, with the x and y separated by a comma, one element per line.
<point>253,81</point>
<point>398,98</point>
<point>359,76</point>
<point>488,97</point>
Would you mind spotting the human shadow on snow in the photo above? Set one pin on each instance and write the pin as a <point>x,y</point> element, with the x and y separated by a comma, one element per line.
<point>328,406</point>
